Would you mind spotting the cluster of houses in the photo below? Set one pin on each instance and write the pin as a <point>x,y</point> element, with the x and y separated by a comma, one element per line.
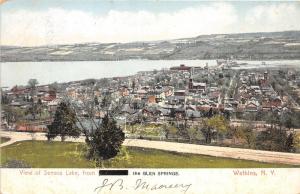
<point>22,102</point>
<point>154,96</point>
<point>255,93</point>
<point>22,97</point>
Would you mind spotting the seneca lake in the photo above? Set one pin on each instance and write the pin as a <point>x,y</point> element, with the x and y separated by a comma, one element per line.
<point>18,73</point>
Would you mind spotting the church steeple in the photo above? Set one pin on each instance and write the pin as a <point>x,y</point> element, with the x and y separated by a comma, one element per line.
<point>190,83</point>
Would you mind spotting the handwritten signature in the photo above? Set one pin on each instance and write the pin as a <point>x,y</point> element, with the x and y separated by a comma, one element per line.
<point>140,184</point>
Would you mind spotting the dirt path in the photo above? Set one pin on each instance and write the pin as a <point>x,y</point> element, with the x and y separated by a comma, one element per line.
<point>237,153</point>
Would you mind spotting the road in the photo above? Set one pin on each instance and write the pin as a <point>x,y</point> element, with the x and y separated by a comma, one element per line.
<point>237,153</point>
<point>230,85</point>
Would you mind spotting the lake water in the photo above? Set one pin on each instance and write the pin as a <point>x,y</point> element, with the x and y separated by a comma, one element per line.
<point>18,73</point>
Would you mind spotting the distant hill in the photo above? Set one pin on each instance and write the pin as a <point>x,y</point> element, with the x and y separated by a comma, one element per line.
<point>254,46</point>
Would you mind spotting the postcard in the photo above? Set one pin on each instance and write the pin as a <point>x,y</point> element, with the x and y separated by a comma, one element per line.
<point>188,97</point>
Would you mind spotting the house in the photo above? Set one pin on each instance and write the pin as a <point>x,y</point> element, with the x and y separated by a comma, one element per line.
<point>51,95</point>
<point>243,88</point>
<point>158,94</point>
<point>252,106</point>
<point>127,109</point>
<point>168,91</point>
<point>240,108</point>
<point>123,91</point>
<point>255,90</point>
<point>151,99</point>
<point>252,78</point>
<point>27,127</point>
<point>179,93</point>
<point>151,111</point>
<point>192,112</point>
<point>182,67</point>
<point>141,93</point>
<point>180,112</point>
<point>266,105</point>
<point>52,105</point>
<point>19,90</point>
<point>175,100</point>
<point>204,108</point>
<point>72,93</point>
<point>214,95</point>
<point>97,93</point>
<point>165,112</point>
<point>196,87</point>
<point>275,101</point>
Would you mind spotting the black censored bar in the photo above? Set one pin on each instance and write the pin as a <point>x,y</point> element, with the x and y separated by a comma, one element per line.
<point>113,172</point>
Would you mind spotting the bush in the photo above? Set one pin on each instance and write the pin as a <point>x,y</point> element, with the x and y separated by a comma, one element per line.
<point>276,140</point>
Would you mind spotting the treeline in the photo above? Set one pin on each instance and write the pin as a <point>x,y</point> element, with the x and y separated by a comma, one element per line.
<point>277,135</point>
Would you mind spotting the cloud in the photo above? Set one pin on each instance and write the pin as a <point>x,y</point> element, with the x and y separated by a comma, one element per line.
<point>274,17</point>
<point>59,26</point>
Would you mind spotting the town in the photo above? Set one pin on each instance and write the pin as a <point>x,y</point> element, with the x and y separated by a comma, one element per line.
<point>224,105</point>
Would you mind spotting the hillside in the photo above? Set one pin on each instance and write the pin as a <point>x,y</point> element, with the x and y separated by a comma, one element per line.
<point>255,46</point>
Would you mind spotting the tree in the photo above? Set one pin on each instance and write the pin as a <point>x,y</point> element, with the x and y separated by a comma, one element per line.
<point>272,118</point>
<point>193,133</point>
<point>279,136</point>
<point>103,137</point>
<point>248,135</point>
<point>169,130</point>
<point>32,85</point>
<point>273,139</point>
<point>214,127</point>
<point>4,99</point>
<point>88,82</point>
<point>210,113</point>
<point>54,86</point>
<point>235,133</point>
<point>104,82</point>
<point>105,102</point>
<point>33,110</point>
<point>12,114</point>
<point>207,132</point>
<point>172,113</point>
<point>290,144</point>
<point>39,107</point>
<point>96,101</point>
<point>289,120</point>
<point>133,85</point>
<point>219,124</point>
<point>135,105</point>
<point>64,123</point>
<point>105,142</point>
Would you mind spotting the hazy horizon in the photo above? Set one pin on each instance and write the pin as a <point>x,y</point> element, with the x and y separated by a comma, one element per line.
<point>149,40</point>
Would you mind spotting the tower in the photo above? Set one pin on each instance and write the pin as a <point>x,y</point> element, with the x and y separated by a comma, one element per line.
<point>266,75</point>
<point>190,83</point>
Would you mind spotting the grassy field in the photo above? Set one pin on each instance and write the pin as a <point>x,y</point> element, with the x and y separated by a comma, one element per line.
<point>4,139</point>
<point>43,154</point>
<point>145,129</point>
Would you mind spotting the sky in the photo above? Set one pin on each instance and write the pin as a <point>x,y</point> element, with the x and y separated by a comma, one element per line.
<point>46,22</point>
